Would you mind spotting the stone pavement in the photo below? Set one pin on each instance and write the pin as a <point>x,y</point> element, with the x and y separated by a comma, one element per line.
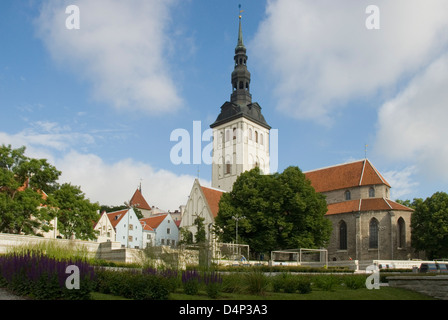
<point>5,295</point>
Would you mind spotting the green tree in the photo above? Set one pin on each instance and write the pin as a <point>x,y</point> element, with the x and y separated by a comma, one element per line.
<point>24,185</point>
<point>429,224</point>
<point>281,211</point>
<point>76,214</point>
<point>200,230</point>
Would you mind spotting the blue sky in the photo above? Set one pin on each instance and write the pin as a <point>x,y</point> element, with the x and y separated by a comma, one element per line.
<point>101,102</point>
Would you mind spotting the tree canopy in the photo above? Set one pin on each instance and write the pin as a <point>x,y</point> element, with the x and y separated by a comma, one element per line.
<point>273,212</point>
<point>24,186</point>
<point>31,197</point>
<point>76,214</point>
<point>429,224</point>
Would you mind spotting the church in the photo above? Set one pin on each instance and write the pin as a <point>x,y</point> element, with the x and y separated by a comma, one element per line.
<point>367,224</point>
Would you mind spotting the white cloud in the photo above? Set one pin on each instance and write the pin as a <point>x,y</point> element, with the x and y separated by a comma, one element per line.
<point>121,48</point>
<point>412,127</point>
<point>320,55</point>
<point>106,183</point>
<point>42,138</point>
<point>112,184</point>
<point>402,182</point>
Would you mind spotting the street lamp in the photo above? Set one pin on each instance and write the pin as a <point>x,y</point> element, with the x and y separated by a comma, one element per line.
<point>237,218</point>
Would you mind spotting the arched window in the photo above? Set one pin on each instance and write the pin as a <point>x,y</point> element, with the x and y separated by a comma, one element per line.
<point>250,134</point>
<point>241,85</point>
<point>256,136</point>
<point>234,133</point>
<point>372,192</point>
<point>373,234</point>
<point>348,195</point>
<point>261,138</point>
<point>401,233</point>
<point>342,235</point>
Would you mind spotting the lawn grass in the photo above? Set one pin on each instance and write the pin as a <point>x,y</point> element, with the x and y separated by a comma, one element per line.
<point>385,293</point>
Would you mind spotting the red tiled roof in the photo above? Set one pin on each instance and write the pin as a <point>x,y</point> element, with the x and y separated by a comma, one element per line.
<point>139,201</point>
<point>355,174</point>
<point>116,216</point>
<point>145,226</point>
<point>155,221</point>
<point>371,204</point>
<point>212,196</point>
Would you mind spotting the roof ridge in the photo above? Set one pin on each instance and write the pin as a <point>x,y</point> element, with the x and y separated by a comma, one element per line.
<point>385,200</point>
<point>334,166</point>
<point>362,172</point>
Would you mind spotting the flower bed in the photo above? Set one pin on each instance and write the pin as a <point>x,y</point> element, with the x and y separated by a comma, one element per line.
<point>33,274</point>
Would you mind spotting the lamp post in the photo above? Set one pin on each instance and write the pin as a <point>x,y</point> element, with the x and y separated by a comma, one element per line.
<point>237,218</point>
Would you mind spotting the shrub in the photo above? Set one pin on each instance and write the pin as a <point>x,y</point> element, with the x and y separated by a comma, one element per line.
<point>213,283</point>
<point>355,281</point>
<point>257,282</point>
<point>190,282</point>
<point>304,285</point>
<point>232,283</point>
<point>133,284</point>
<point>326,282</point>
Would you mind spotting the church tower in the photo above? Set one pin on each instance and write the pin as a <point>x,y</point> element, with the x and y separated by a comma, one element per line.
<point>240,132</point>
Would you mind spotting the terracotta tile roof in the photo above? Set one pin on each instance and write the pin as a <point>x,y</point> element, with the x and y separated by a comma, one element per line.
<point>212,196</point>
<point>139,201</point>
<point>145,226</point>
<point>343,176</point>
<point>155,221</point>
<point>371,204</point>
<point>116,216</point>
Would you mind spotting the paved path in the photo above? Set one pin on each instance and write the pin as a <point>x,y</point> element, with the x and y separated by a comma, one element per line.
<point>5,295</point>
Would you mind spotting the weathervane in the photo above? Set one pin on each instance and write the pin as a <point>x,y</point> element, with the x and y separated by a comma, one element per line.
<point>241,11</point>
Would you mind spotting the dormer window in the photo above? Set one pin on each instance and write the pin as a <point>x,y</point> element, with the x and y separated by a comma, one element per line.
<point>372,192</point>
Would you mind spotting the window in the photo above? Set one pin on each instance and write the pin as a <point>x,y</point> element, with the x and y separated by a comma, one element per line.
<point>256,136</point>
<point>234,133</point>
<point>342,235</point>
<point>250,134</point>
<point>228,167</point>
<point>372,192</point>
<point>131,227</point>
<point>130,238</point>
<point>227,135</point>
<point>168,231</point>
<point>373,234</point>
<point>401,234</point>
<point>261,138</point>
<point>348,195</point>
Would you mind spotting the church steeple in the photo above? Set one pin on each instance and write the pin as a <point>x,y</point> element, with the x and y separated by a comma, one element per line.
<point>240,75</point>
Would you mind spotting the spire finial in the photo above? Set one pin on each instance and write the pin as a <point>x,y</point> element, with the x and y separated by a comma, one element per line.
<point>240,32</point>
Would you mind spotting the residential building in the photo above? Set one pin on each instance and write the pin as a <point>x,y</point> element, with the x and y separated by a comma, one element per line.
<point>123,226</point>
<point>166,232</point>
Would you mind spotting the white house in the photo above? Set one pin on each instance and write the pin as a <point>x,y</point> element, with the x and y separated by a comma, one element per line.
<point>105,228</point>
<point>123,226</point>
<point>166,232</point>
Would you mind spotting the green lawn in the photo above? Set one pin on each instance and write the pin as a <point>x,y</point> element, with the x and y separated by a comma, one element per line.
<point>385,293</point>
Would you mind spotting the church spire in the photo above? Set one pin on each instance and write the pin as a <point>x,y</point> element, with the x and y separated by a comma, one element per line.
<point>240,75</point>
<point>240,36</point>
